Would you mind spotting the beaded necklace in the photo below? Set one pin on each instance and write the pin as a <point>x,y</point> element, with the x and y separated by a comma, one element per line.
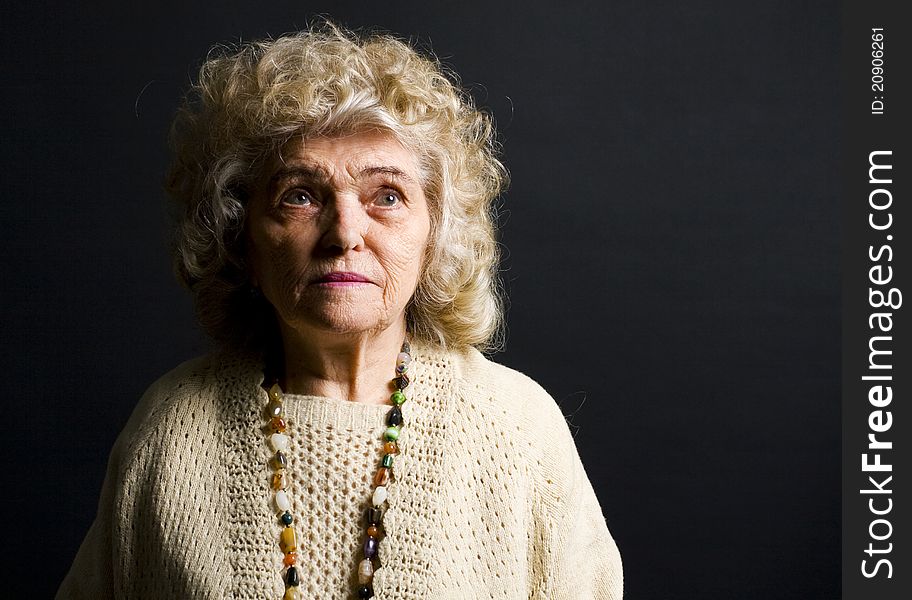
<point>280,442</point>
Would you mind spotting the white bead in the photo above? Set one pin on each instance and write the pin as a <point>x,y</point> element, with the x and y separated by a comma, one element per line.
<point>282,501</point>
<point>279,442</point>
<point>403,359</point>
<point>365,571</point>
<point>379,495</point>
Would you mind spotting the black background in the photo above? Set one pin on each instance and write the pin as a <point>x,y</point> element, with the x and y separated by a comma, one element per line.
<point>672,238</point>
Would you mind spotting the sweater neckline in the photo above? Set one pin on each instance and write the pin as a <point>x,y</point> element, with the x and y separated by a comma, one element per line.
<point>339,414</point>
<point>430,365</point>
<point>418,472</point>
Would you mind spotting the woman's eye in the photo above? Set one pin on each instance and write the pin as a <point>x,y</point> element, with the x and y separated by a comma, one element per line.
<point>388,198</point>
<point>298,197</point>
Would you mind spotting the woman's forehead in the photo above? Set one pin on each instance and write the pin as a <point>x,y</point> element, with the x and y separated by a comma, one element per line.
<point>348,156</point>
<point>356,144</point>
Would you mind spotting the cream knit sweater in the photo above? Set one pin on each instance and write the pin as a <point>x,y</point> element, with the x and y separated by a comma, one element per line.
<point>488,498</point>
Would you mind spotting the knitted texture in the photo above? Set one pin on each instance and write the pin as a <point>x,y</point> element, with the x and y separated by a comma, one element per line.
<point>488,497</point>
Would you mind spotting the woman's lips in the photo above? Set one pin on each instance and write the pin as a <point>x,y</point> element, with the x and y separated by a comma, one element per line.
<point>339,278</point>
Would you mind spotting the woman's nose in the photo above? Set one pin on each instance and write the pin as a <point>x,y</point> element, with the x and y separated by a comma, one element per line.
<point>346,224</point>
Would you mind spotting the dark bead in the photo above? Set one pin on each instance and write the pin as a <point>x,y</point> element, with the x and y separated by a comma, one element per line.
<point>365,591</point>
<point>292,577</point>
<point>286,518</point>
<point>402,381</point>
<point>374,515</point>
<point>370,547</point>
<point>394,417</point>
<point>406,347</point>
<point>387,461</point>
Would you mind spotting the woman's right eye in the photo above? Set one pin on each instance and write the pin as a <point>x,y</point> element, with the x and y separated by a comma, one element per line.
<point>298,197</point>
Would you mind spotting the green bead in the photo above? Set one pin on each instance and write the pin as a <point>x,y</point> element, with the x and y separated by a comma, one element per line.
<point>398,398</point>
<point>387,461</point>
<point>392,433</point>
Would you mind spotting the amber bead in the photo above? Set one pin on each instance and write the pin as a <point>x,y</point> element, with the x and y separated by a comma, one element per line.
<point>279,461</point>
<point>290,559</point>
<point>382,477</point>
<point>275,409</point>
<point>391,448</point>
<point>279,480</point>
<point>278,424</point>
<point>275,392</point>
<point>289,540</point>
<point>373,531</point>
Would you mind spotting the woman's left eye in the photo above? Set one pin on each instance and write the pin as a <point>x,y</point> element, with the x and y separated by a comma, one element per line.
<point>388,198</point>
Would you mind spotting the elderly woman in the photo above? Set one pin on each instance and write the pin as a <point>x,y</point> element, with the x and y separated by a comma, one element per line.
<point>348,438</point>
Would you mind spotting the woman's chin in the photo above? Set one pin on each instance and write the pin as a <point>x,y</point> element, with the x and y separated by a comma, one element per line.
<point>338,322</point>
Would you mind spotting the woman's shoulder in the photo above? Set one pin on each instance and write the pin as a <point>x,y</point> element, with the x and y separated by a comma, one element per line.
<point>526,412</point>
<point>533,418</point>
<point>512,389</point>
<point>189,374</point>
<point>512,402</point>
<point>164,401</point>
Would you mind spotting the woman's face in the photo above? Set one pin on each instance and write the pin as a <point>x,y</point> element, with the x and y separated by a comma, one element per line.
<point>337,230</point>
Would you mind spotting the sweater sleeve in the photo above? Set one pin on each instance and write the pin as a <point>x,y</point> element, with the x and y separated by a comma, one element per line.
<point>588,562</point>
<point>94,572</point>
<point>582,559</point>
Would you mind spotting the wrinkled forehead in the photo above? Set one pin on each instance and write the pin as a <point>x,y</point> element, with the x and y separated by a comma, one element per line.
<point>348,154</point>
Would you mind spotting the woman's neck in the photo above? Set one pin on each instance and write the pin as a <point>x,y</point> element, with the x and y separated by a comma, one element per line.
<point>358,368</point>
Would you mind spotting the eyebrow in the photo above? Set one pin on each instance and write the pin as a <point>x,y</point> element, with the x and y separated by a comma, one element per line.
<point>321,175</point>
<point>310,171</point>
<point>393,172</point>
